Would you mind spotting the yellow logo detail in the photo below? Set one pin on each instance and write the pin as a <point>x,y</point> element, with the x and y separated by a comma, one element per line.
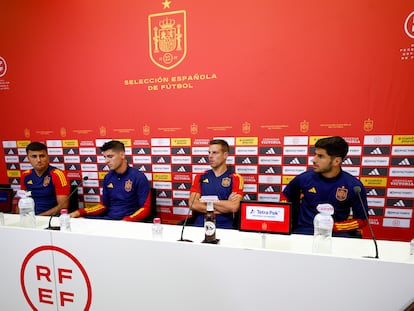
<point>128,185</point>
<point>46,181</point>
<point>205,180</point>
<point>30,182</point>
<point>304,126</point>
<point>368,125</point>
<point>312,190</point>
<point>341,193</point>
<point>167,38</point>
<point>110,185</point>
<point>225,182</point>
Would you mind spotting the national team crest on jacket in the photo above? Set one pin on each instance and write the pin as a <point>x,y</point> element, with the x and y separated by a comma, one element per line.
<point>128,185</point>
<point>167,38</point>
<point>341,193</point>
<point>225,182</point>
<point>46,181</point>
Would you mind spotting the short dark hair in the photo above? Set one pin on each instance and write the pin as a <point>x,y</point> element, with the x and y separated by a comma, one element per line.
<point>334,146</point>
<point>36,146</point>
<point>114,145</point>
<point>224,145</point>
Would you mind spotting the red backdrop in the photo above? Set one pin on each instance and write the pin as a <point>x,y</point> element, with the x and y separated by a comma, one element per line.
<point>260,73</point>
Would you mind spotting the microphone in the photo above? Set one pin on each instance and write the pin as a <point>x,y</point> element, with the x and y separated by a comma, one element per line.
<point>50,227</point>
<point>357,190</point>
<point>185,221</point>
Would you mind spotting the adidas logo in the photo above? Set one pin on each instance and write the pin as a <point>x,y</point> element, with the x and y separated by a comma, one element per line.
<point>270,170</point>
<point>13,167</point>
<point>399,203</point>
<point>181,169</point>
<point>182,187</point>
<point>271,151</point>
<point>374,172</point>
<point>72,168</point>
<point>74,183</point>
<point>182,203</point>
<point>105,168</point>
<point>269,189</point>
<point>372,192</point>
<point>142,169</point>
<point>202,160</point>
<point>371,212</point>
<point>161,160</point>
<point>162,194</point>
<point>141,151</point>
<point>91,191</point>
<point>246,161</point>
<point>246,197</point>
<point>25,159</point>
<point>55,160</point>
<point>294,161</point>
<point>376,151</point>
<point>10,152</point>
<point>71,151</point>
<point>405,162</point>
<point>347,161</point>
<point>181,151</point>
<point>88,159</point>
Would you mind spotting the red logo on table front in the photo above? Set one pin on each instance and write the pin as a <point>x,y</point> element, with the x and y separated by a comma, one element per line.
<point>3,67</point>
<point>409,25</point>
<point>167,38</point>
<point>52,278</point>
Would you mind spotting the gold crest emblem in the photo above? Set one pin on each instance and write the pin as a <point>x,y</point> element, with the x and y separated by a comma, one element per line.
<point>46,181</point>
<point>341,193</point>
<point>194,129</point>
<point>128,185</point>
<point>102,131</point>
<point>146,130</point>
<point>63,131</point>
<point>26,132</point>
<point>167,38</point>
<point>225,182</point>
<point>368,125</point>
<point>246,127</point>
<point>304,126</point>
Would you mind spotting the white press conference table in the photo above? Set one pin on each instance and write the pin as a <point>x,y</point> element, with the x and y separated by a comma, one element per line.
<point>115,265</point>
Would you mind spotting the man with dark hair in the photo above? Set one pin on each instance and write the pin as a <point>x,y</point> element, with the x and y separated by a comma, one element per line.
<point>327,183</point>
<point>48,185</point>
<point>126,191</point>
<point>219,181</point>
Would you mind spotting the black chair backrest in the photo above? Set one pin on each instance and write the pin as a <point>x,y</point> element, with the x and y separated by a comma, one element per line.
<point>153,213</point>
<point>74,199</point>
<point>6,199</point>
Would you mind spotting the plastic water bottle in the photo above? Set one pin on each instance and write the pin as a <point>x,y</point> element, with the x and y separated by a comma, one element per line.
<point>323,225</point>
<point>64,220</point>
<point>157,229</point>
<point>26,208</point>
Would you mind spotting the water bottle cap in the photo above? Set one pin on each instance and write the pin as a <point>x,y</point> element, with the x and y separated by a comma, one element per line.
<point>157,220</point>
<point>63,211</point>
<point>325,208</point>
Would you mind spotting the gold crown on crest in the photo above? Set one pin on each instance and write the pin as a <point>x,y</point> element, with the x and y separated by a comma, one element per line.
<point>167,23</point>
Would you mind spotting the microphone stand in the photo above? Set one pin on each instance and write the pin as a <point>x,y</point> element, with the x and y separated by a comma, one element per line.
<point>50,227</point>
<point>357,190</point>
<point>185,221</point>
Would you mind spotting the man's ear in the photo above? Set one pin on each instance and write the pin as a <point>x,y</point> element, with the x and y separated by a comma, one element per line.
<point>338,161</point>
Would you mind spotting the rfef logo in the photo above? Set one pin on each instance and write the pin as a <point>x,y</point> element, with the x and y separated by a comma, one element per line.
<point>53,279</point>
<point>409,25</point>
<point>167,38</point>
<point>3,67</point>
